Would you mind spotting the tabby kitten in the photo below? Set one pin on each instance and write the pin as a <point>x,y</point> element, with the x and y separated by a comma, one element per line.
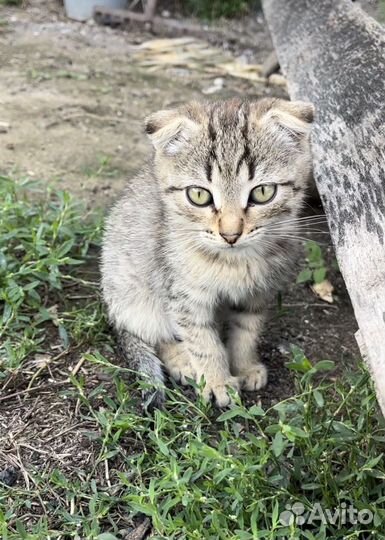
<point>203,237</point>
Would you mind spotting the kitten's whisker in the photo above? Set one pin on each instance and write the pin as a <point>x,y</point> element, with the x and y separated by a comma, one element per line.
<point>309,205</point>
<point>295,229</point>
<point>310,227</point>
<point>304,218</point>
<point>293,225</point>
<point>299,238</point>
<point>264,242</point>
<point>286,233</point>
<point>304,221</point>
<point>301,223</point>
<point>322,214</point>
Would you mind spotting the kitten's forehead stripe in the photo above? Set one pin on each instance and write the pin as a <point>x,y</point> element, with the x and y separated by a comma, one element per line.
<point>209,170</point>
<point>212,157</point>
<point>251,169</point>
<point>211,129</point>
<point>229,139</point>
<point>233,150</point>
<point>247,157</point>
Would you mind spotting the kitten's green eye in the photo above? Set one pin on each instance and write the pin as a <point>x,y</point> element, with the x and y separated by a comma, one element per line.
<point>199,196</point>
<point>263,194</point>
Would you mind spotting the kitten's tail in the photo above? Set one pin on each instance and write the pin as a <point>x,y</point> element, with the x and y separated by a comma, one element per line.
<point>141,357</point>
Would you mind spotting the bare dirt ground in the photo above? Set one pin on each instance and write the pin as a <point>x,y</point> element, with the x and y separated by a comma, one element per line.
<point>72,100</point>
<point>75,95</point>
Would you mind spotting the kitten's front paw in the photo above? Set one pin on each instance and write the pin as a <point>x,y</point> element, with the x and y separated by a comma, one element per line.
<point>181,372</point>
<point>219,390</point>
<point>254,377</point>
<point>177,362</point>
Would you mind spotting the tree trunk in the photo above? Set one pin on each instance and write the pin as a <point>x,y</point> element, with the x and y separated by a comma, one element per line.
<point>333,55</point>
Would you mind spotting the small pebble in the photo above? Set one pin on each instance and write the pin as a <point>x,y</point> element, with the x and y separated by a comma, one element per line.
<point>4,127</point>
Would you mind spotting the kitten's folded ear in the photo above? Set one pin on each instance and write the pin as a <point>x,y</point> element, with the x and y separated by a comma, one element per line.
<point>170,130</point>
<point>294,116</point>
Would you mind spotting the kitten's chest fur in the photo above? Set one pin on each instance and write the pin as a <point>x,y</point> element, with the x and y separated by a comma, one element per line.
<point>223,278</point>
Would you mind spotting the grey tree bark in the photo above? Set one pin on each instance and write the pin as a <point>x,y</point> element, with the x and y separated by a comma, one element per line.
<point>333,55</point>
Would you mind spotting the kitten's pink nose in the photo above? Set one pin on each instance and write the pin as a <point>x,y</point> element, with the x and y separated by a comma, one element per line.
<point>230,227</point>
<point>230,238</point>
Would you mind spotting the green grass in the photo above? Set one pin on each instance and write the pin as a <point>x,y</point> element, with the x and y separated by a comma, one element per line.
<point>45,257</point>
<point>315,270</point>
<point>11,2</point>
<point>220,8</point>
<point>196,472</point>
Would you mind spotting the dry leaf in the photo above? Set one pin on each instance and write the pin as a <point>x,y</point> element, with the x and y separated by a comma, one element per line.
<point>324,290</point>
<point>277,80</point>
<point>195,54</point>
<point>164,44</point>
<point>252,72</point>
<point>41,360</point>
<point>140,532</point>
<point>205,60</point>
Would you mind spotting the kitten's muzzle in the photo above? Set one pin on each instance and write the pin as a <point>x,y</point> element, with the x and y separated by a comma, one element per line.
<point>230,227</point>
<point>230,238</point>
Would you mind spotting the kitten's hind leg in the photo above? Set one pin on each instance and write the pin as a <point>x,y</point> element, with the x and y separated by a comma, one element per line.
<point>142,358</point>
<point>244,332</point>
<point>177,361</point>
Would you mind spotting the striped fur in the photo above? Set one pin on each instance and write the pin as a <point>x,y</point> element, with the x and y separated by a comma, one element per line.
<point>171,279</point>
